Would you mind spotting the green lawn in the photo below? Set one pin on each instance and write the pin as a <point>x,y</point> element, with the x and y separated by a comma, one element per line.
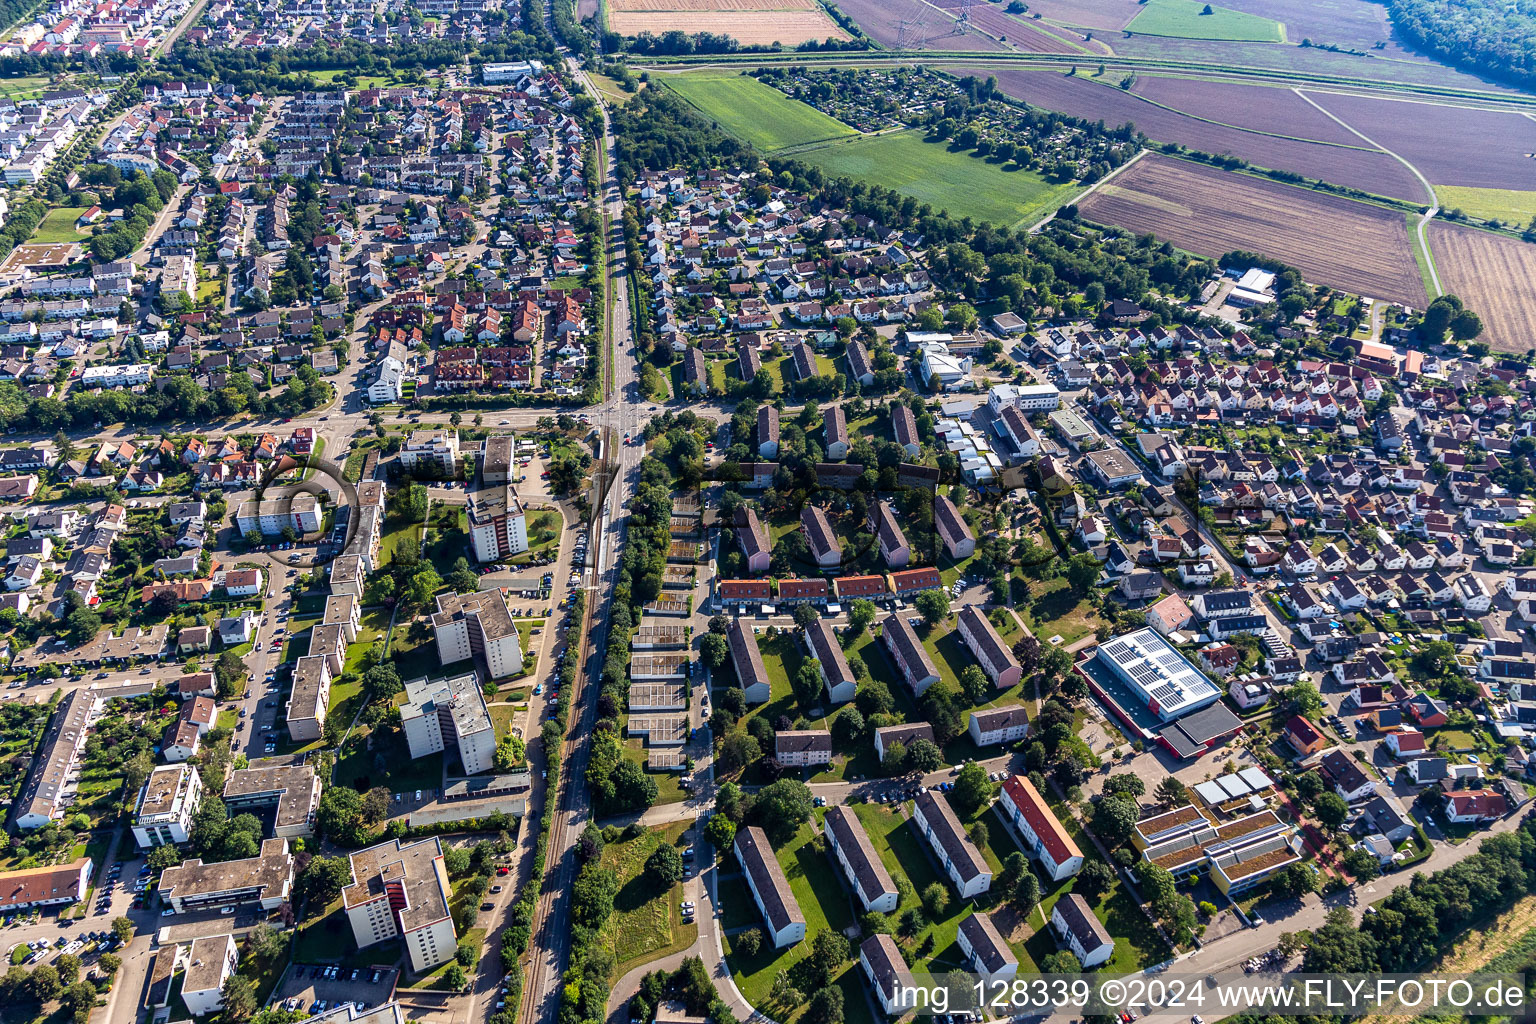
<point>962,184</point>
<point>645,924</point>
<point>1503,204</point>
<point>395,535</point>
<point>1183,19</point>
<point>1052,610</point>
<point>755,112</point>
<point>24,88</point>
<point>59,226</point>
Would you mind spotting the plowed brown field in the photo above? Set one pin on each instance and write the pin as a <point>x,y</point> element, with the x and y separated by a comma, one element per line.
<point>1495,276</point>
<point>1361,248</point>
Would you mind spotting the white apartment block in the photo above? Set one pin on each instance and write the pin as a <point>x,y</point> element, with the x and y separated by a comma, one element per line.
<point>431,451</point>
<point>782,918</point>
<point>860,861</point>
<point>170,797</point>
<point>498,527</point>
<point>1045,838</point>
<point>300,513</point>
<point>400,890</point>
<point>441,713</point>
<point>471,625</point>
<point>210,962</point>
<point>309,701</point>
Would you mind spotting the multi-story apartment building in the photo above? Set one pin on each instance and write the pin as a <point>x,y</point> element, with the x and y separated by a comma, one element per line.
<point>953,849</point>
<point>299,512</point>
<point>801,748</point>
<point>441,713</point>
<point>294,790</point>
<point>265,880</point>
<point>770,889</point>
<point>1044,836</point>
<point>431,452</point>
<point>860,861</point>
<point>994,657</point>
<point>836,675</point>
<point>170,797</point>
<point>479,624</point>
<point>907,652</point>
<point>308,701</point>
<point>400,890</point>
<point>498,527</point>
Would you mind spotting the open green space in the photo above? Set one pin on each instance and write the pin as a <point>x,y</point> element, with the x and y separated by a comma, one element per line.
<point>646,924</point>
<point>59,226</point>
<point>24,88</point>
<point>669,789</point>
<point>1502,204</point>
<point>755,112</point>
<point>1186,19</point>
<point>962,184</point>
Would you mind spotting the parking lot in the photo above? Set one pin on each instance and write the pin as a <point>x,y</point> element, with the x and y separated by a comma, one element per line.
<point>312,988</point>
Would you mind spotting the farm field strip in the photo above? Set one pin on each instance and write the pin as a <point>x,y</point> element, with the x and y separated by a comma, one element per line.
<point>750,28</point>
<point>1266,109</point>
<point>1185,19</point>
<point>755,112</point>
<point>1363,248</point>
<point>1507,205</point>
<point>1495,275</point>
<point>881,20</point>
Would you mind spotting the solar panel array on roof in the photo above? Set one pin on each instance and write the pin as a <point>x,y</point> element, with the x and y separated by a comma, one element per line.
<point>1119,649</point>
<point>1158,673</point>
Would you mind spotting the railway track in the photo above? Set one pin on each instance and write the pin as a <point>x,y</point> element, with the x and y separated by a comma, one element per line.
<point>551,939</point>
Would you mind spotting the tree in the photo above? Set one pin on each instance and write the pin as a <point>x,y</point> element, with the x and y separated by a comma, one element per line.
<point>807,682</point>
<point>805,615</point>
<point>721,832</point>
<point>164,856</point>
<point>1082,571</point>
<point>454,977</point>
<point>781,808</point>
<point>972,787</point>
<point>68,966</point>
<point>1364,866</point>
<point>714,649</point>
<point>935,900</point>
<point>45,984</point>
<point>122,927</point>
<point>1060,962</point>
<point>1171,792</point>
<point>828,952</point>
<point>860,614</point>
<point>1094,879</point>
<point>664,867</point>
<point>974,682</point>
<point>1301,698</point>
<point>79,999</point>
<point>632,788</point>
<point>932,605</point>
<point>847,726</point>
<point>341,815</point>
<point>1126,783</point>
<point>923,756</point>
<point>466,954</point>
<point>109,963</point>
<point>229,675</point>
<point>322,880</point>
<point>749,942</point>
<point>1330,808</point>
<point>1026,892</point>
<point>376,805</point>
<point>826,1006</point>
<point>1113,819</point>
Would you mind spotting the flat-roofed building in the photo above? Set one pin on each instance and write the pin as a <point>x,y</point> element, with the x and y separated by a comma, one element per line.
<point>478,625</point>
<point>860,860</point>
<point>292,791</point>
<point>346,611</point>
<point>799,748</point>
<point>347,574</point>
<point>167,803</point>
<point>299,512</point>
<point>210,962</point>
<point>657,697</point>
<point>955,852</point>
<point>953,530</point>
<point>907,652</point>
<point>904,734</point>
<point>496,459</point>
<point>994,657</point>
<point>328,640</point>
<point>1079,931</point>
<point>431,451</point>
<point>887,972</point>
<point>400,889</point>
<point>661,667</point>
<point>836,676</point>
<point>265,880</point>
<point>999,725</point>
<point>770,889</point>
<point>659,730</point>
<point>658,637</point>
<point>307,704</point>
<point>1045,838</point>
<point>747,660</point>
<point>498,524</point>
<point>442,713</point>
<point>985,948</point>
<point>1239,854</point>
<point>49,886</point>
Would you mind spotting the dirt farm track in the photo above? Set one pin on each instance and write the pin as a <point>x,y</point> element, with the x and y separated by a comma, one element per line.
<point>750,22</point>
<point>1495,276</point>
<point>1356,246</point>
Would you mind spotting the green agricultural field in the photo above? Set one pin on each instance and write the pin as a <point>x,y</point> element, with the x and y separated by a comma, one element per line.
<point>59,226</point>
<point>1185,19</point>
<point>755,112</point>
<point>963,184</point>
<point>1503,204</point>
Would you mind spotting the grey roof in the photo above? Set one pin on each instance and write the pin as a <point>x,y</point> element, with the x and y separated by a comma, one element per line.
<point>1078,918</point>
<point>885,961</point>
<point>848,835</point>
<point>757,860</point>
<point>949,834</point>
<point>745,656</point>
<point>991,949</point>
<point>828,651</point>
